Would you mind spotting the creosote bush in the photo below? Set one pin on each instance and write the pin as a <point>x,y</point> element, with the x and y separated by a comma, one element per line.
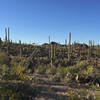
<point>17,91</point>
<point>40,69</point>
<point>4,58</point>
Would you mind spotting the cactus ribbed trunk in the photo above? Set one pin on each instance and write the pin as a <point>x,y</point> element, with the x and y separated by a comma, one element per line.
<point>51,55</point>
<point>49,48</point>
<point>54,51</point>
<point>98,50</point>
<point>69,49</point>
<point>8,34</point>
<point>5,34</point>
<point>89,48</point>
<point>20,49</point>
<point>7,49</point>
<point>65,43</point>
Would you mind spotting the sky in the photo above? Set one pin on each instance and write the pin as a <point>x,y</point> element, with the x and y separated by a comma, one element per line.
<point>34,20</point>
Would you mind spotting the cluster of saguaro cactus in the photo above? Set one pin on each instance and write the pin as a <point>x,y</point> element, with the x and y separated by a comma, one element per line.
<point>7,38</point>
<point>7,35</point>
<point>69,47</point>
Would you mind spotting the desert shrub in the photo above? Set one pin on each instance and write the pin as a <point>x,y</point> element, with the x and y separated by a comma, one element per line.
<point>51,70</point>
<point>4,58</point>
<point>3,70</point>
<point>97,96</point>
<point>17,91</point>
<point>87,70</point>
<point>56,78</point>
<point>41,69</point>
<point>80,71</point>
<point>61,71</point>
<point>96,77</point>
<point>83,94</point>
<point>73,96</point>
<point>14,62</point>
<point>15,73</point>
<point>74,72</point>
<point>19,69</point>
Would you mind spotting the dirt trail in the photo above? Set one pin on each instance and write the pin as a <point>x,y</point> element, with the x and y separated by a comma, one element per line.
<point>52,90</point>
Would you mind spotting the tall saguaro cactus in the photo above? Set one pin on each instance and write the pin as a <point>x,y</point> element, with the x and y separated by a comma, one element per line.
<point>51,58</point>
<point>51,52</point>
<point>89,48</point>
<point>98,49</point>
<point>70,40</point>
<point>69,47</point>
<point>65,43</point>
<point>8,34</point>
<point>54,51</point>
<point>20,48</point>
<point>49,48</point>
<point>5,34</point>
<point>49,39</point>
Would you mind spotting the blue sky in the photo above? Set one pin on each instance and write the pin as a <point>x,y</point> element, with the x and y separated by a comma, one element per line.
<point>35,20</point>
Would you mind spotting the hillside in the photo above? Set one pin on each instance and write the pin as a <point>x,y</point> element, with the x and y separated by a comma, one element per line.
<point>51,70</point>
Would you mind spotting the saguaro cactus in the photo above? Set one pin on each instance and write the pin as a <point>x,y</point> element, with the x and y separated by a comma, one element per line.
<point>65,43</point>
<point>49,48</point>
<point>8,34</point>
<point>98,49</point>
<point>89,48</point>
<point>50,52</point>
<point>49,39</point>
<point>51,58</point>
<point>54,51</point>
<point>69,47</point>
<point>0,42</point>
<point>20,48</point>
<point>70,40</point>
<point>5,34</point>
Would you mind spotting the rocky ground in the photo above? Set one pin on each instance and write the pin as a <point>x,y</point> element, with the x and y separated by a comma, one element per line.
<point>60,90</point>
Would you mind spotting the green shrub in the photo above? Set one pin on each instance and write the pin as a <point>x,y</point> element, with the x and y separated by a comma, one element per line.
<point>41,69</point>
<point>61,71</point>
<point>97,96</point>
<point>4,58</point>
<point>52,70</point>
<point>15,73</point>
<point>17,91</point>
<point>83,94</point>
<point>14,62</point>
<point>3,70</point>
